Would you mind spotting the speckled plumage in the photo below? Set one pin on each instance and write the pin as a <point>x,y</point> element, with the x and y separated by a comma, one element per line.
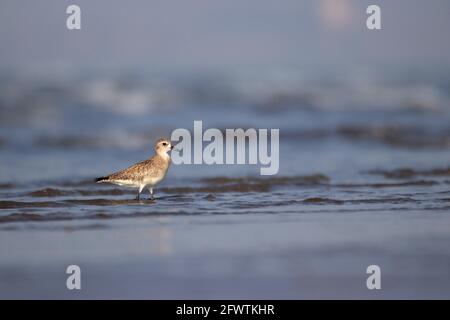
<point>146,173</point>
<point>152,167</point>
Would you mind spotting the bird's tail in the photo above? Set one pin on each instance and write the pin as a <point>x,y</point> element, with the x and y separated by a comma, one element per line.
<point>101,179</point>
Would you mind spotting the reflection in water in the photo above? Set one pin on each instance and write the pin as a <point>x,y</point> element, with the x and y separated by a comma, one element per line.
<point>163,245</point>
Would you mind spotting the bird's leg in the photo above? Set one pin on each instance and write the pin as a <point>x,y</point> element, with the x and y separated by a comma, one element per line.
<point>150,189</point>
<point>139,192</point>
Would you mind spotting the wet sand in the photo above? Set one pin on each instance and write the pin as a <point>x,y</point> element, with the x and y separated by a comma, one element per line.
<point>249,256</point>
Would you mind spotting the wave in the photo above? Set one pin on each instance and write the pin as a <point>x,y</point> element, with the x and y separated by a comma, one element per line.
<point>293,180</point>
<point>64,216</point>
<point>83,199</point>
<point>408,173</point>
<point>424,183</point>
<point>318,200</point>
<point>206,185</point>
<point>49,192</point>
<point>398,200</point>
<point>120,95</point>
<point>400,136</point>
<point>53,192</point>
<point>7,185</point>
<point>411,137</point>
<point>29,204</point>
<point>209,186</point>
<point>342,206</point>
<point>46,227</point>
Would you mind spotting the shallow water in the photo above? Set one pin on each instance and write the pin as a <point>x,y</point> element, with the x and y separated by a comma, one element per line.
<point>358,185</point>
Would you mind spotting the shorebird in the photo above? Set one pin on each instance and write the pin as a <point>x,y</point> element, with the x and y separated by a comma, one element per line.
<point>146,173</point>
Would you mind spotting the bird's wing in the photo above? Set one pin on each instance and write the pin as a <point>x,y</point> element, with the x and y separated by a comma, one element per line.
<point>135,172</point>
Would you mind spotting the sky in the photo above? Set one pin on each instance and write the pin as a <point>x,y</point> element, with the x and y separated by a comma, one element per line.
<point>222,34</point>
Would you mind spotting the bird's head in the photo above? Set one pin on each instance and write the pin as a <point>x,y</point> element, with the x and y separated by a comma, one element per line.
<point>163,146</point>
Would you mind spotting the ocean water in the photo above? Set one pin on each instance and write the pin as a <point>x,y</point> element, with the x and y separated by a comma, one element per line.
<point>364,179</point>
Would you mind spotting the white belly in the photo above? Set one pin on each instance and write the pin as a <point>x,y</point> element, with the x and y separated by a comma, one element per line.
<point>147,181</point>
<point>126,183</point>
<point>151,181</point>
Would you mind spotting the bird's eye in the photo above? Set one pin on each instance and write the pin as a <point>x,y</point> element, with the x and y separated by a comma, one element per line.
<point>164,144</point>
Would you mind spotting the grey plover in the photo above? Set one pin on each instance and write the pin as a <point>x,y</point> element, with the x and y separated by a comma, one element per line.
<point>144,174</point>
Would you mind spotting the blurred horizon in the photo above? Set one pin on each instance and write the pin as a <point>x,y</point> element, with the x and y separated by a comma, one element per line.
<point>201,36</point>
